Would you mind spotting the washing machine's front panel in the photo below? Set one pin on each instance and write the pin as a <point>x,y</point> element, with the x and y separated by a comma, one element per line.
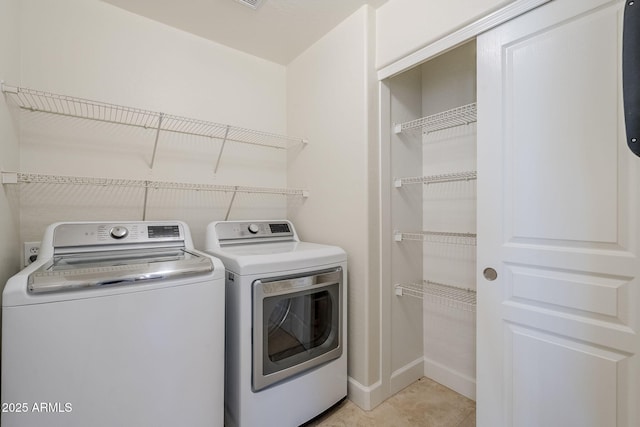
<point>120,360</point>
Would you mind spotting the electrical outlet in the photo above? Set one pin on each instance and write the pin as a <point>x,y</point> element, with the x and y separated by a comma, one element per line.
<point>31,250</point>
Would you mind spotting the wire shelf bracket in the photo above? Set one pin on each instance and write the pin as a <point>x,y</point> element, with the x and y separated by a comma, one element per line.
<point>45,102</point>
<point>458,116</point>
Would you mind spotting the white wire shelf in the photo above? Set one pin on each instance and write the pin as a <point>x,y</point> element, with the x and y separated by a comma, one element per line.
<point>468,239</point>
<point>69,106</point>
<point>439,293</point>
<point>436,179</point>
<point>458,116</point>
<point>33,178</point>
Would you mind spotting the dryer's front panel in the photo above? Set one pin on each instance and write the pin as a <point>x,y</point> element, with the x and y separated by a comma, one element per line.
<point>296,324</point>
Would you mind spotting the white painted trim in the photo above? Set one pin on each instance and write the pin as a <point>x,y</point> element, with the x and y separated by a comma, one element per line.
<point>384,99</point>
<point>460,36</point>
<point>407,375</point>
<point>449,378</point>
<point>366,397</point>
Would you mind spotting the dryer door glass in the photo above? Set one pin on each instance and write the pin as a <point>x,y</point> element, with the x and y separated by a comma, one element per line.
<point>297,324</point>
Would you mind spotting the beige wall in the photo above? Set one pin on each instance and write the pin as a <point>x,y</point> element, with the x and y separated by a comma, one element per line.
<point>9,152</point>
<point>331,100</point>
<point>404,26</point>
<point>91,49</point>
<point>449,81</point>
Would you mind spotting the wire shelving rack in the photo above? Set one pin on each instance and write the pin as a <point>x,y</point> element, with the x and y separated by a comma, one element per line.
<point>440,293</point>
<point>458,116</point>
<point>70,106</point>
<point>436,179</point>
<point>34,178</point>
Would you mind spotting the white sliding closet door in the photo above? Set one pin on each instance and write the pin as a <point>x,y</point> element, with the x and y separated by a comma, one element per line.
<point>558,214</point>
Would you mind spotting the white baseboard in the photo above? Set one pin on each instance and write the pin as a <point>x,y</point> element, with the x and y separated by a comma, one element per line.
<point>406,375</point>
<point>456,381</point>
<point>366,397</point>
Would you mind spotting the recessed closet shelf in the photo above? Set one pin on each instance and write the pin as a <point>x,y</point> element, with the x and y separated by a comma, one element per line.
<point>17,177</point>
<point>437,237</point>
<point>40,101</point>
<point>439,293</point>
<point>458,116</point>
<point>435,179</point>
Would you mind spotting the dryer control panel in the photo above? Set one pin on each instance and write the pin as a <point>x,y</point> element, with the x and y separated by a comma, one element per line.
<point>254,231</point>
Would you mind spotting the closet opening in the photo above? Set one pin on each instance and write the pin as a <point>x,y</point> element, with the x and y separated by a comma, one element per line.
<point>431,219</point>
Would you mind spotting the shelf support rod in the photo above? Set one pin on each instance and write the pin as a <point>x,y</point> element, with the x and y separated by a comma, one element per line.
<point>144,206</point>
<point>224,141</point>
<point>233,197</point>
<point>155,145</point>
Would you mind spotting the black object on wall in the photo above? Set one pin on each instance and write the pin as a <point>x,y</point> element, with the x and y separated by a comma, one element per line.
<point>631,73</point>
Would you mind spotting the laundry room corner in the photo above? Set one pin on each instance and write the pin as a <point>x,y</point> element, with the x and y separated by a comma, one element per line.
<point>332,99</point>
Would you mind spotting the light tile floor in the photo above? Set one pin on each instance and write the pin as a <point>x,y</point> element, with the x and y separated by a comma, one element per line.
<point>424,403</point>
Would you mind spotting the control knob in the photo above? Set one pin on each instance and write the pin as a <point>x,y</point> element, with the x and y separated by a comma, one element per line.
<point>253,228</point>
<point>119,232</point>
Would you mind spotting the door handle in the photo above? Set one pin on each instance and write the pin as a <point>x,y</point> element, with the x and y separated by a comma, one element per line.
<point>630,67</point>
<point>490,274</point>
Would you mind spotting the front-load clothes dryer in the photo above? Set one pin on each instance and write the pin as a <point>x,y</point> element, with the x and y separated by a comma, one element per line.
<point>286,323</point>
<point>115,324</point>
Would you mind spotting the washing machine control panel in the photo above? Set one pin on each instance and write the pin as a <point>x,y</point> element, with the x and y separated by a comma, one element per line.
<point>240,230</point>
<point>89,234</point>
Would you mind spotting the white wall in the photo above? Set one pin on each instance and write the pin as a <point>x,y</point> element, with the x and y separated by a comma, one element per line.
<point>405,258</point>
<point>9,152</point>
<point>331,100</point>
<point>404,26</point>
<point>90,49</point>
<point>449,81</point>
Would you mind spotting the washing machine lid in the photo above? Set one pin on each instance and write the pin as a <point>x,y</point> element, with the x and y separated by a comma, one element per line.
<point>93,269</point>
<point>258,258</point>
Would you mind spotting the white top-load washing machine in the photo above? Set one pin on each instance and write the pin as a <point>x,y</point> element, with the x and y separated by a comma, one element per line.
<point>286,323</point>
<point>115,324</point>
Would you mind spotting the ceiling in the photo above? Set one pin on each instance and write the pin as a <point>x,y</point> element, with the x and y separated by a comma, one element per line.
<point>279,30</point>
